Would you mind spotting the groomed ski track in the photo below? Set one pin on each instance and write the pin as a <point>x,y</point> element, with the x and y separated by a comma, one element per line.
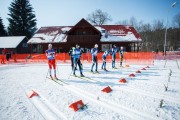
<point>106,103</point>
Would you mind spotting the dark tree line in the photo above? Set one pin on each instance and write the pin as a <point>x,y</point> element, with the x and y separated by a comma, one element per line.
<point>22,21</point>
<point>153,34</point>
<point>2,28</point>
<point>98,17</point>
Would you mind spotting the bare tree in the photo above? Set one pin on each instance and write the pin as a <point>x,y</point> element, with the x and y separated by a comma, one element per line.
<point>139,26</point>
<point>176,20</point>
<point>133,22</point>
<point>152,34</point>
<point>158,25</point>
<point>98,17</point>
<point>123,22</point>
<point>146,35</point>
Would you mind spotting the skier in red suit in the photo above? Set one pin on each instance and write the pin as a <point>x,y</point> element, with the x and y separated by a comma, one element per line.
<point>50,53</point>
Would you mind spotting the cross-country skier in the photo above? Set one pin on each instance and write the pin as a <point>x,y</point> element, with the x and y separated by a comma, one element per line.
<point>72,57</point>
<point>114,51</point>
<point>121,51</point>
<point>104,60</point>
<point>94,52</point>
<point>50,53</point>
<point>77,54</point>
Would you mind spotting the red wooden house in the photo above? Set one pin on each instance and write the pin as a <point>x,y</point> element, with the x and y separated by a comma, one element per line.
<point>86,35</point>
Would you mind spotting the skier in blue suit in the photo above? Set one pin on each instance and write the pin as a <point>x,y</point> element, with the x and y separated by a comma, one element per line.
<point>76,56</point>
<point>114,51</point>
<point>121,51</point>
<point>104,60</point>
<point>94,52</point>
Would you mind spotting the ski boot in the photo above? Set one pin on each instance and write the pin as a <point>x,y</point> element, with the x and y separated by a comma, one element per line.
<point>82,75</point>
<point>74,74</point>
<point>55,78</point>
<point>105,69</point>
<point>51,77</point>
<point>96,71</point>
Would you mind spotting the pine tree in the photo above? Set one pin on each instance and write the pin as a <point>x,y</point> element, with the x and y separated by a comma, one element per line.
<point>2,29</point>
<point>22,21</point>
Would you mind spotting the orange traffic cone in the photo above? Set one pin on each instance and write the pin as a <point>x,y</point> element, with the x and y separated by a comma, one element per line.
<point>107,89</point>
<point>132,75</point>
<point>143,69</point>
<point>77,105</point>
<point>32,93</point>
<point>123,80</point>
<point>127,65</point>
<point>138,71</point>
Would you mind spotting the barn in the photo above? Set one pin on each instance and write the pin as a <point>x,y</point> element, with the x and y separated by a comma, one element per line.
<point>86,35</point>
<point>14,44</point>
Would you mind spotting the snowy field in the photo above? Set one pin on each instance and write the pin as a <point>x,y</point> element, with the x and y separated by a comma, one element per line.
<point>137,99</point>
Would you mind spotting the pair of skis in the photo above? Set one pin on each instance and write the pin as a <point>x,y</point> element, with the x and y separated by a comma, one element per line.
<point>58,81</point>
<point>84,78</point>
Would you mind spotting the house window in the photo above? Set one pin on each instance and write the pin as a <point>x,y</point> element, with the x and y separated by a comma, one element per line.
<point>103,31</point>
<point>84,32</point>
<point>25,45</point>
<point>106,47</point>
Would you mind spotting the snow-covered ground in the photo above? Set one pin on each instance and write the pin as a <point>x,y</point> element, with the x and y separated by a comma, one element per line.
<point>138,99</point>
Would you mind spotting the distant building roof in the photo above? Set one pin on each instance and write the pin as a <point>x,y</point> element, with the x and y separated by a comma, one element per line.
<point>50,34</point>
<point>11,42</point>
<point>110,33</point>
<point>118,33</point>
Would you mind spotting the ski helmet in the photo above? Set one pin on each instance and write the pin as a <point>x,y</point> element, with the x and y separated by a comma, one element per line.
<point>96,45</point>
<point>49,45</point>
<point>77,46</point>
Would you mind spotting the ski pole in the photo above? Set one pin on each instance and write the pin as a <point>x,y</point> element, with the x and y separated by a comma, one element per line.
<point>73,68</point>
<point>47,75</point>
<point>57,69</point>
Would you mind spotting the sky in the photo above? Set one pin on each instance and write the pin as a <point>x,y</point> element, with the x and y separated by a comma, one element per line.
<point>69,12</point>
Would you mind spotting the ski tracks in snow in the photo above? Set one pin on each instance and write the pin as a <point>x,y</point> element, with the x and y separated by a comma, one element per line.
<point>149,94</point>
<point>130,113</point>
<point>47,110</point>
<point>110,105</point>
<point>123,110</point>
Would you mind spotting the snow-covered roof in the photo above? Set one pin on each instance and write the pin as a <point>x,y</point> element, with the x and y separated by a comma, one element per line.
<point>11,42</point>
<point>118,33</point>
<point>110,33</point>
<point>50,35</point>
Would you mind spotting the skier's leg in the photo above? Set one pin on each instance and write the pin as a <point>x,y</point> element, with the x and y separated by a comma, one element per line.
<point>104,65</point>
<point>121,60</point>
<point>54,66</point>
<point>92,66</point>
<point>114,60</point>
<point>80,68</point>
<point>75,64</point>
<point>93,62</point>
<point>96,63</point>
<point>50,67</point>
<point>72,63</point>
<point>79,65</point>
